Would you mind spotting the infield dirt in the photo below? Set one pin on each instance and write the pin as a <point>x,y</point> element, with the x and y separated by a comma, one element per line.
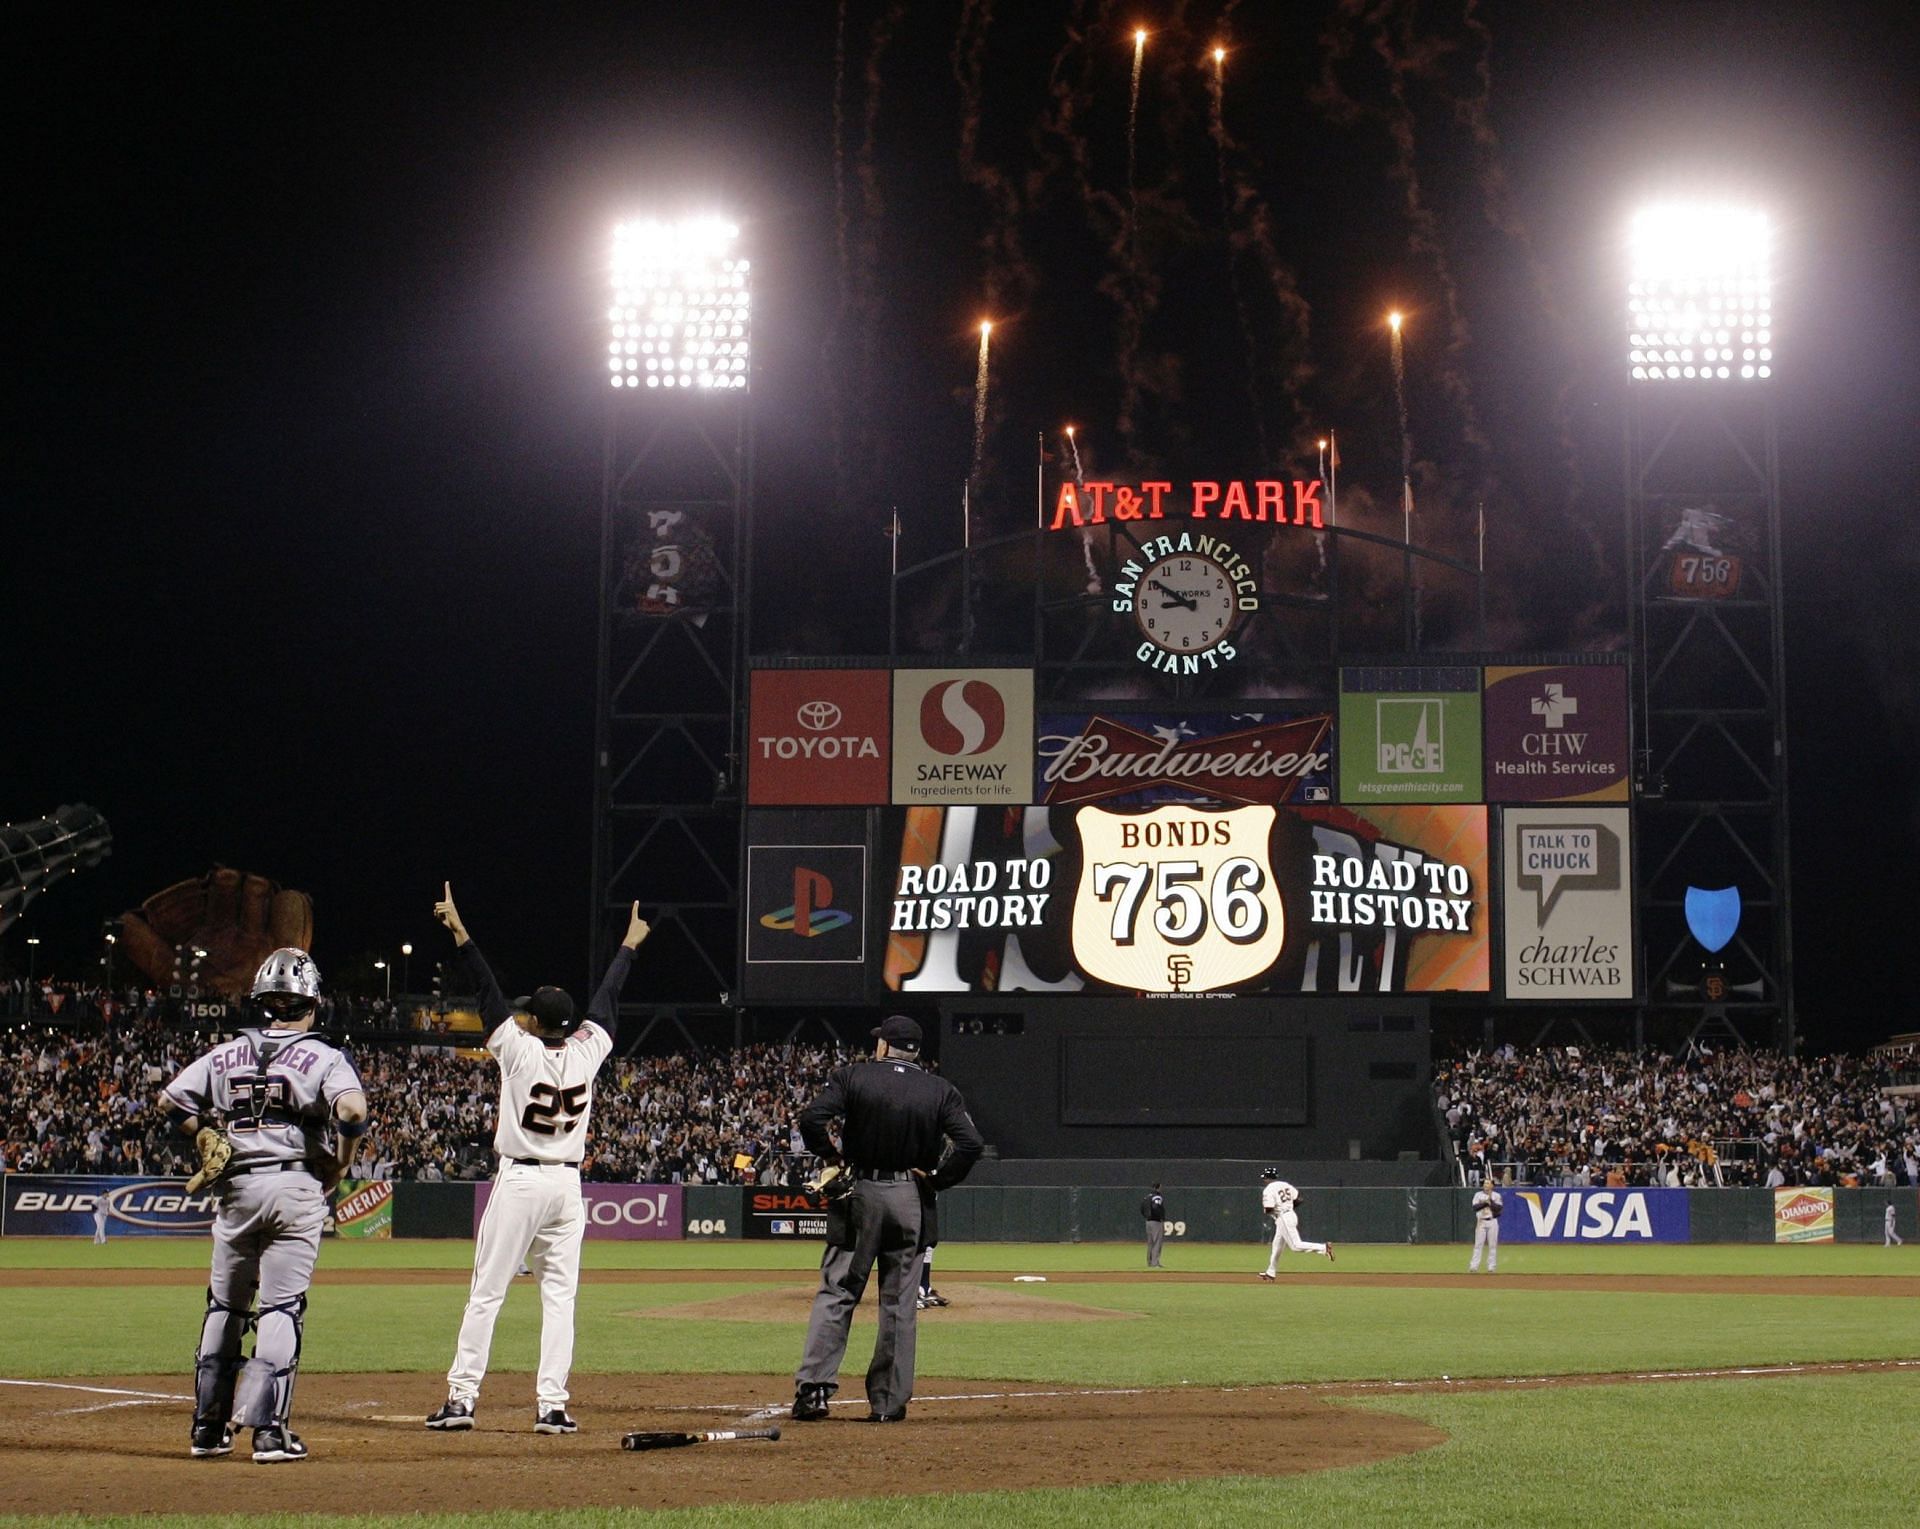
<point>73,1447</point>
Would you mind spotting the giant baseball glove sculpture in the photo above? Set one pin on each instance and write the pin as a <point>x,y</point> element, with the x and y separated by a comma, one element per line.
<point>237,919</point>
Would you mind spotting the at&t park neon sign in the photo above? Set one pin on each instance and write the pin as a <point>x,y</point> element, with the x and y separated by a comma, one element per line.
<point>1262,501</point>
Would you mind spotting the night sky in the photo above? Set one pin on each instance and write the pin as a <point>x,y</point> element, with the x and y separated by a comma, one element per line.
<point>303,461</point>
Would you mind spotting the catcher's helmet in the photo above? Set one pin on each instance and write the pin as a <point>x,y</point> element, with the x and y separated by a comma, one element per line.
<point>288,971</point>
<point>551,1009</point>
<point>1269,1173</point>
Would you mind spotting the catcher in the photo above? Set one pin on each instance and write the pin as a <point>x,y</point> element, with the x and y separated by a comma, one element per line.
<point>259,1108</point>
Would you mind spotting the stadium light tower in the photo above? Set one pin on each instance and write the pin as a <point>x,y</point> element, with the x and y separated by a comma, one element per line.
<point>681,309</point>
<point>1703,538</point>
<point>1700,294</point>
<point>674,567</point>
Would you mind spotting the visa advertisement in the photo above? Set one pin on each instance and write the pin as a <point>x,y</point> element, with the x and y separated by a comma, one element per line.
<point>1595,1215</point>
<point>1142,759</point>
<point>615,1212</point>
<point>83,1205</point>
<point>1410,734</point>
<point>1556,733</point>
<point>1567,903</point>
<point>1184,900</point>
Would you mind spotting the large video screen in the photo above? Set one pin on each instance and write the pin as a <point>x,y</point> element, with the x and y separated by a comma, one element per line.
<point>1183,900</point>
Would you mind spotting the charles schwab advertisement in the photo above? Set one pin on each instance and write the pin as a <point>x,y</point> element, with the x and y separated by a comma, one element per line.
<point>1567,904</point>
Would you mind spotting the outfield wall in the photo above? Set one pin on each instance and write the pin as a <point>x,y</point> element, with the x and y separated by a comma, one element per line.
<point>53,1205</point>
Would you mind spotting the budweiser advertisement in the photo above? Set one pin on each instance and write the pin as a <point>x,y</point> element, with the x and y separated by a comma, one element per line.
<point>962,735</point>
<point>1144,759</point>
<point>1185,900</point>
<point>817,737</point>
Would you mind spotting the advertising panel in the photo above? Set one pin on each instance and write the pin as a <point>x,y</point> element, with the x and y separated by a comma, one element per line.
<point>1595,1215</point>
<point>963,736</point>
<point>806,899</point>
<point>1185,901</point>
<point>1567,902</point>
<point>1141,759</point>
<point>1803,1215</point>
<point>1410,734</point>
<point>817,737</point>
<point>1556,733</point>
<point>616,1212</point>
<point>361,1208</point>
<point>785,1213</point>
<point>64,1205</point>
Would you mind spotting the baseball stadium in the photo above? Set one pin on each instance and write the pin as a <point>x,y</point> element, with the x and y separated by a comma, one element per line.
<point>1187,908</point>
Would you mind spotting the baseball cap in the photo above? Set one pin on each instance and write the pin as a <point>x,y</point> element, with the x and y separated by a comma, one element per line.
<point>898,1030</point>
<point>550,1007</point>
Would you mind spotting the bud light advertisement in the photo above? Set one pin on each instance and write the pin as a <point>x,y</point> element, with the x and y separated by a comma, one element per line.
<point>86,1205</point>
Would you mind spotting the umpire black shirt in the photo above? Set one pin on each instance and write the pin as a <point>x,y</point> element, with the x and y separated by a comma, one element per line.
<point>896,1116</point>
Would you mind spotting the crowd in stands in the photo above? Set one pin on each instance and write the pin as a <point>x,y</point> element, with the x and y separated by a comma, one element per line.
<point>1578,1115</point>
<point>73,1102</point>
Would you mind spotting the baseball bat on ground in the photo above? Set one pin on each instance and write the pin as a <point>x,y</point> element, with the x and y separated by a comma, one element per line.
<point>676,1440</point>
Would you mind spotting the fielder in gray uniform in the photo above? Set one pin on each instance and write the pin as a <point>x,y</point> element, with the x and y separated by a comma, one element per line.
<point>272,1093</point>
<point>1486,1227</point>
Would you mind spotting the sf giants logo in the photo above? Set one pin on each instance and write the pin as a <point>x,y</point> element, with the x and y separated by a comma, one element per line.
<point>1177,899</point>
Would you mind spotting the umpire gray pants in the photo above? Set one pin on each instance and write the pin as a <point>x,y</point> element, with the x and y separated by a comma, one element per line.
<point>886,1230</point>
<point>1156,1234</point>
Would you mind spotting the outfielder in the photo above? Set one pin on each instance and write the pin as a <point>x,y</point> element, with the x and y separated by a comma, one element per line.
<point>1486,1227</point>
<point>1277,1200</point>
<point>258,1108</point>
<point>1893,1238</point>
<point>535,1212</point>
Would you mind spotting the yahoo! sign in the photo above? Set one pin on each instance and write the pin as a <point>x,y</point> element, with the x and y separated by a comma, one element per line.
<point>618,1212</point>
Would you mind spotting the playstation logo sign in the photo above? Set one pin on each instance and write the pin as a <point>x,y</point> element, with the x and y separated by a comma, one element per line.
<point>809,915</point>
<point>805,902</point>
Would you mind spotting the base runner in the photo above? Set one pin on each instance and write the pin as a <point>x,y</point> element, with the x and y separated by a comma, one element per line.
<point>1486,1227</point>
<point>535,1212</point>
<point>1277,1200</point>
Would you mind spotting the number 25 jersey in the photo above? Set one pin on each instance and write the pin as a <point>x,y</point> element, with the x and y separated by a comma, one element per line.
<point>546,1092</point>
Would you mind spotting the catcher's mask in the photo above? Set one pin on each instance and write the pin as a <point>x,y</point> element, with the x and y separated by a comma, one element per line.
<point>551,1010</point>
<point>287,986</point>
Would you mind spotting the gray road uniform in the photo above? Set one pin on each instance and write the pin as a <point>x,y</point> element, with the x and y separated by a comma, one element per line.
<point>1487,1204</point>
<point>273,1091</point>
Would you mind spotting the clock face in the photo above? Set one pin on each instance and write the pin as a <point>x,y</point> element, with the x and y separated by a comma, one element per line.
<point>1184,603</point>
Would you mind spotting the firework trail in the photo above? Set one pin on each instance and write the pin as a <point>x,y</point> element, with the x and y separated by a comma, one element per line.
<point>872,211</point>
<point>980,404</point>
<point>1400,398</point>
<point>1133,158</point>
<point>1094,580</point>
<point>1010,276</point>
<point>836,402</point>
<point>1229,204</point>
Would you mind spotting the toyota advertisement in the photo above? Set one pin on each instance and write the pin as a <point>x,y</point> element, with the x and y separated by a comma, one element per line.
<point>818,737</point>
<point>616,1212</point>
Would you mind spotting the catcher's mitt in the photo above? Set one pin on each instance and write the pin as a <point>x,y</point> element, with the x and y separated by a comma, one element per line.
<point>835,1181</point>
<point>215,1153</point>
<point>236,918</point>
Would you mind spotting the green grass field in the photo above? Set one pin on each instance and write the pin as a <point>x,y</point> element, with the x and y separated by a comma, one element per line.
<point>1818,1449</point>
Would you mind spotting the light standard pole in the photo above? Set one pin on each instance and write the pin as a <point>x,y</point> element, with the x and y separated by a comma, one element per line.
<point>381,966</point>
<point>406,971</point>
<point>33,950</point>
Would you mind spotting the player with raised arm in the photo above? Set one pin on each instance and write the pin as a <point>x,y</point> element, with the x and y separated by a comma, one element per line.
<point>535,1211</point>
<point>274,1114</point>
<point>1278,1200</point>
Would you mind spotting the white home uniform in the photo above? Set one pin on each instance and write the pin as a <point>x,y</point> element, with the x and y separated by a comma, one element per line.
<point>1486,1229</point>
<point>1278,1199</point>
<point>1893,1238</point>
<point>534,1211</point>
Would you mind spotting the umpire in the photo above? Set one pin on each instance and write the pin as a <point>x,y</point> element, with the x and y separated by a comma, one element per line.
<point>893,1117</point>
